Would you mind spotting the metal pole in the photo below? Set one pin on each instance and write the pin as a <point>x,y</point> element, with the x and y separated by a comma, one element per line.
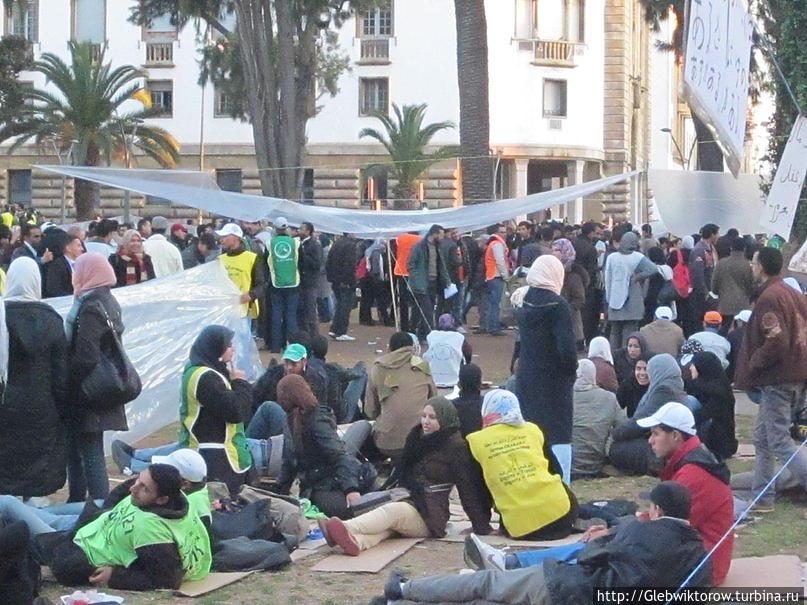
<point>202,130</point>
<point>392,287</point>
<point>127,195</point>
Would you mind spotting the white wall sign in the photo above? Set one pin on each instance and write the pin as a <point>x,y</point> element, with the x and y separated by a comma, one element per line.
<point>716,71</point>
<point>783,198</point>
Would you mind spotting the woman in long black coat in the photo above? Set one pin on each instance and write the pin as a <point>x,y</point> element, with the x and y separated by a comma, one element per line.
<point>710,386</point>
<point>547,363</point>
<point>89,333</point>
<point>32,433</point>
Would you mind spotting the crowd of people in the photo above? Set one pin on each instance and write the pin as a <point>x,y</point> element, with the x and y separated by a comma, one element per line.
<point>626,350</point>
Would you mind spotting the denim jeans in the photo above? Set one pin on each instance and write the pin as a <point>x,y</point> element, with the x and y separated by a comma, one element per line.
<point>531,558</point>
<point>422,320</point>
<point>458,302</point>
<point>142,458</point>
<point>345,299</point>
<point>284,315</point>
<point>38,521</point>
<point>86,467</point>
<point>772,436</point>
<point>494,288</point>
<point>353,394</point>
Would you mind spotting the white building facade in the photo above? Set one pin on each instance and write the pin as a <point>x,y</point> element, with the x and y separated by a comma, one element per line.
<point>549,66</point>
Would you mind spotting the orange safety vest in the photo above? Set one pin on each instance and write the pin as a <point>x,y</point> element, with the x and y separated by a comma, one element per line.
<point>491,271</point>
<point>405,241</point>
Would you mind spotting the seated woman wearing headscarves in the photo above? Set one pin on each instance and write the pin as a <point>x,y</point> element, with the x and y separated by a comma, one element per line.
<point>216,401</point>
<point>130,263</point>
<point>328,472</point>
<point>33,383</point>
<point>434,460</point>
<point>630,450</point>
<point>599,353</point>
<point>631,391</point>
<point>626,357</point>
<point>596,414</point>
<point>521,473</point>
<point>705,380</point>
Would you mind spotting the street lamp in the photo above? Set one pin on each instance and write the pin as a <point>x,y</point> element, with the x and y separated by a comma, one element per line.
<point>127,144</point>
<point>684,159</point>
<point>58,152</point>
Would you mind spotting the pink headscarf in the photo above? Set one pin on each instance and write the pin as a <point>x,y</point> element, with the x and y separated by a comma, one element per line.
<point>566,250</point>
<point>92,270</point>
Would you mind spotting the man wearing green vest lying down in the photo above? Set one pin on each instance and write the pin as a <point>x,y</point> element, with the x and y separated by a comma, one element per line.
<point>150,539</point>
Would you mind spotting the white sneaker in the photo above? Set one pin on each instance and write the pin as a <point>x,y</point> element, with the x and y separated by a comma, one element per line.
<point>345,338</point>
<point>481,555</point>
<point>332,334</point>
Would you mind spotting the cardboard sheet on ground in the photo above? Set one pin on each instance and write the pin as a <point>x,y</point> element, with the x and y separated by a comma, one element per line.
<point>162,318</point>
<point>369,561</point>
<point>780,571</point>
<point>746,450</point>
<point>213,581</point>
<point>454,533</point>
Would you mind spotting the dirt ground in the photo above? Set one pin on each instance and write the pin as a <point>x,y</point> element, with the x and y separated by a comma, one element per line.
<point>774,533</point>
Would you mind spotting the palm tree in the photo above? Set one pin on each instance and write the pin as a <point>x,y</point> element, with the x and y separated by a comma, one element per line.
<point>405,140</point>
<point>472,79</point>
<point>84,114</point>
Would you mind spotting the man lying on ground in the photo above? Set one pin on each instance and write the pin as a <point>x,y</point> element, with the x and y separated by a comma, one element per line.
<point>660,552</point>
<point>151,539</point>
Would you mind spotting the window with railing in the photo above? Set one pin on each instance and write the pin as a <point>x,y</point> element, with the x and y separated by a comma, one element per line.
<point>89,21</point>
<point>553,31</point>
<point>373,96</point>
<point>375,28</point>
<point>159,53</point>
<point>162,97</point>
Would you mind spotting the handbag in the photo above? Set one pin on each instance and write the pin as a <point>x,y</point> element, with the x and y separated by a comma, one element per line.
<point>114,381</point>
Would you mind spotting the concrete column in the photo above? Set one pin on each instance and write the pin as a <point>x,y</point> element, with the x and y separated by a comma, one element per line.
<point>520,174</point>
<point>574,210</point>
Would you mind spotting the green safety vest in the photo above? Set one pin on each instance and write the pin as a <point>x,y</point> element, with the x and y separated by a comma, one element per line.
<point>235,440</point>
<point>114,537</point>
<point>282,261</point>
<point>199,502</point>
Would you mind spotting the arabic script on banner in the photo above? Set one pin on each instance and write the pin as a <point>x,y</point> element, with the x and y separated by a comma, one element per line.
<point>783,198</point>
<point>716,71</point>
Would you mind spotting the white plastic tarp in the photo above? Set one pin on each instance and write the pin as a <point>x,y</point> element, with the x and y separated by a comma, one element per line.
<point>199,190</point>
<point>687,199</point>
<point>162,318</point>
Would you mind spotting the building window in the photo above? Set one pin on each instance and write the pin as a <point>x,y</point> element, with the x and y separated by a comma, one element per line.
<point>162,97</point>
<point>161,27</point>
<point>19,187</point>
<point>373,95</point>
<point>554,98</point>
<point>550,20</point>
<point>89,21</point>
<point>222,108</point>
<point>377,23</point>
<point>153,200</point>
<point>229,179</point>
<point>24,20</point>
<point>307,192</point>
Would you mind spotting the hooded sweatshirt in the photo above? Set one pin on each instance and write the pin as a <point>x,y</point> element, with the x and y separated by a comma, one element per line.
<point>397,389</point>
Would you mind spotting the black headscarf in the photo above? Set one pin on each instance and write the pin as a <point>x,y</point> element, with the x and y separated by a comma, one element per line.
<point>209,346</point>
<point>713,390</point>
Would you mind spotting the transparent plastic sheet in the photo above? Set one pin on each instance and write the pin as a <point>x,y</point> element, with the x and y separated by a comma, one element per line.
<point>686,200</point>
<point>162,318</point>
<point>199,190</point>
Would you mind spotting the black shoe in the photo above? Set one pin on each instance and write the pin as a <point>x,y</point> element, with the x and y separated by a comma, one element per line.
<point>392,589</point>
<point>122,455</point>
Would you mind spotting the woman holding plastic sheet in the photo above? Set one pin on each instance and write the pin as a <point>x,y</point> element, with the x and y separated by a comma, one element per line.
<point>90,324</point>
<point>435,458</point>
<point>34,394</point>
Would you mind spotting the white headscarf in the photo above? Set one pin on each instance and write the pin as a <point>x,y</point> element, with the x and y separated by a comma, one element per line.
<point>501,407</point>
<point>586,376</point>
<point>546,272</point>
<point>600,347</point>
<point>24,281</point>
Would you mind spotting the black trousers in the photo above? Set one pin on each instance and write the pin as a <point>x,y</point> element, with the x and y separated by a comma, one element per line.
<point>307,311</point>
<point>345,299</point>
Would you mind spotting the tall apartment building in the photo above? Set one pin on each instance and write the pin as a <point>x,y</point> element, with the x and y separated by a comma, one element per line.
<point>569,99</point>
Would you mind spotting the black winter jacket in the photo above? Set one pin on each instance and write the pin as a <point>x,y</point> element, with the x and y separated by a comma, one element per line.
<point>310,262</point>
<point>32,431</point>
<point>652,554</point>
<point>57,278</point>
<point>340,268</point>
<point>91,335</point>
<point>266,387</point>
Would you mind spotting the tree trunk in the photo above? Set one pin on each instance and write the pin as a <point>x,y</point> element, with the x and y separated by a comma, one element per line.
<point>85,192</point>
<point>710,157</point>
<point>405,198</point>
<point>472,78</point>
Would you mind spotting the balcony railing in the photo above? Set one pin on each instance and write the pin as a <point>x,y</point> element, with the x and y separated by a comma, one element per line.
<point>374,51</point>
<point>552,53</point>
<point>96,50</point>
<point>159,53</point>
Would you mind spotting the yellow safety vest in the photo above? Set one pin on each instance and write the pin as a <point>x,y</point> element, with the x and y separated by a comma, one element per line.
<point>517,474</point>
<point>239,268</point>
<point>7,219</point>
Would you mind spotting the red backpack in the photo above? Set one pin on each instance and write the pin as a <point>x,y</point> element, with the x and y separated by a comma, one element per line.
<point>680,278</point>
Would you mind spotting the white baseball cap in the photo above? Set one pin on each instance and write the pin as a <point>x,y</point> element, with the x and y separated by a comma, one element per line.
<point>743,316</point>
<point>190,464</point>
<point>281,223</point>
<point>674,415</point>
<point>231,229</point>
<point>664,313</point>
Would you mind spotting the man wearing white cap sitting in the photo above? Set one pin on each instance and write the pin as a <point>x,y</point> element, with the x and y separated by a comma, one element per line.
<point>662,335</point>
<point>243,268</point>
<point>674,440</point>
